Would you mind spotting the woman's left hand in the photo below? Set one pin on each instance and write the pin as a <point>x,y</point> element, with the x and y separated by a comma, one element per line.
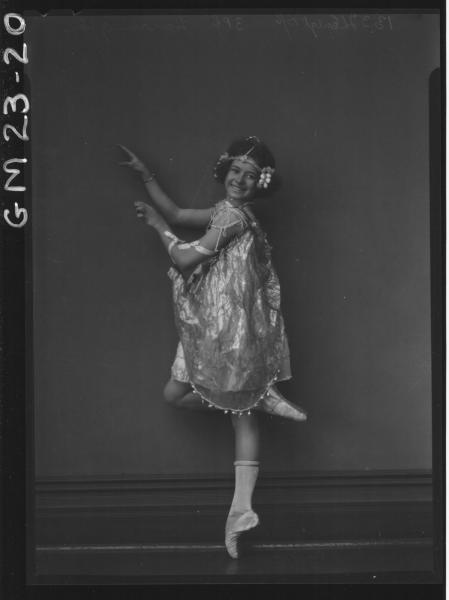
<point>148,214</point>
<point>134,163</point>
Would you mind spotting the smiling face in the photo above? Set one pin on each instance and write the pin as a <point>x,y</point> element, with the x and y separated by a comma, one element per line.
<point>241,180</point>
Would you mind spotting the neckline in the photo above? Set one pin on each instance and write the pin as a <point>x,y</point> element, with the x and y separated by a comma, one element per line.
<point>238,205</point>
<point>243,208</point>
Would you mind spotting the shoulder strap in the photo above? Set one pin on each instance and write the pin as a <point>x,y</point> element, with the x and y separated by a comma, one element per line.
<point>248,219</point>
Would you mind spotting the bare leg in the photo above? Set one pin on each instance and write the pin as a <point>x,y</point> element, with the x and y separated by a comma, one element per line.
<point>241,516</point>
<point>246,431</point>
<point>181,395</point>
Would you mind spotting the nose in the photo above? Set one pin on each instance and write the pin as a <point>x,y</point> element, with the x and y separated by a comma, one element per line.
<point>239,177</point>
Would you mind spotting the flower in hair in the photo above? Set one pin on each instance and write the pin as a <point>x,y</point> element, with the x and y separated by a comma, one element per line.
<point>265,177</point>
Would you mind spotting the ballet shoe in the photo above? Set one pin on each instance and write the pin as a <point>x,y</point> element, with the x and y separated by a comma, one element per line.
<point>275,404</point>
<point>235,527</point>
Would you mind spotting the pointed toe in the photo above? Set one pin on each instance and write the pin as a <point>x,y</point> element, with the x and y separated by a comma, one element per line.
<point>235,527</point>
<point>275,404</point>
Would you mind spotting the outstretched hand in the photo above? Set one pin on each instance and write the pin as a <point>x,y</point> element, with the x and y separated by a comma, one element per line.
<point>148,214</point>
<point>134,162</point>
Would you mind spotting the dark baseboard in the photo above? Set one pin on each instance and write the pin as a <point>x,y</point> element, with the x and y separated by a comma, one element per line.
<point>313,525</point>
<point>192,510</point>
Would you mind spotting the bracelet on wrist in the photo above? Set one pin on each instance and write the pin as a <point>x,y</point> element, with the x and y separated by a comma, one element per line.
<point>149,178</point>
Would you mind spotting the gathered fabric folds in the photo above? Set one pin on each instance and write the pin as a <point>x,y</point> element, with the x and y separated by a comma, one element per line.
<point>229,320</point>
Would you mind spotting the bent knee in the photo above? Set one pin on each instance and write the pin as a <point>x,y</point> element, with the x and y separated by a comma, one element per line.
<point>174,391</point>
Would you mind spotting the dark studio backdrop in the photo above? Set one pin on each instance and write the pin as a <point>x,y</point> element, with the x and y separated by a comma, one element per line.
<point>344,105</point>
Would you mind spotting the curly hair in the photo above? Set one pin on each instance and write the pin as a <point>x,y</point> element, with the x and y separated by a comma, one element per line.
<point>261,155</point>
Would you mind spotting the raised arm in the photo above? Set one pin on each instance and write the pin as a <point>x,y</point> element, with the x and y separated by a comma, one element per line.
<point>188,256</point>
<point>173,214</point>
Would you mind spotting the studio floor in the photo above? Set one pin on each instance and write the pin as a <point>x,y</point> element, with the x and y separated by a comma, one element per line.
<point>377,561</point>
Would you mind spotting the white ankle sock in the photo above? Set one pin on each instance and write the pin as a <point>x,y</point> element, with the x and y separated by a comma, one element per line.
<point>246,472</point>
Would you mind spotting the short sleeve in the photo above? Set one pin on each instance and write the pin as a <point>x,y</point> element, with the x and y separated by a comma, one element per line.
<point>228,221</point>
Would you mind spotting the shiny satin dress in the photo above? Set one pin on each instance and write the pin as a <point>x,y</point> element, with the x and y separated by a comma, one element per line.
<point>233,344</point>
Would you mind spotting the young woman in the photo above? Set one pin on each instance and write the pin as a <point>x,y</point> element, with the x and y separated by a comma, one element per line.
<point>233,346</point>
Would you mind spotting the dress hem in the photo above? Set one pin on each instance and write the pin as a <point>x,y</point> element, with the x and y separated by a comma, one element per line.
<point>238,411</point>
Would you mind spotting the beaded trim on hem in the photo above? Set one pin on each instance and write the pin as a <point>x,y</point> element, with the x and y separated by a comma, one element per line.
<point>238,412</point>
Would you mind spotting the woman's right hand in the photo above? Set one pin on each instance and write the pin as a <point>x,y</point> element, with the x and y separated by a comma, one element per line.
<point>149,215</point>
<point>134,163</point>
